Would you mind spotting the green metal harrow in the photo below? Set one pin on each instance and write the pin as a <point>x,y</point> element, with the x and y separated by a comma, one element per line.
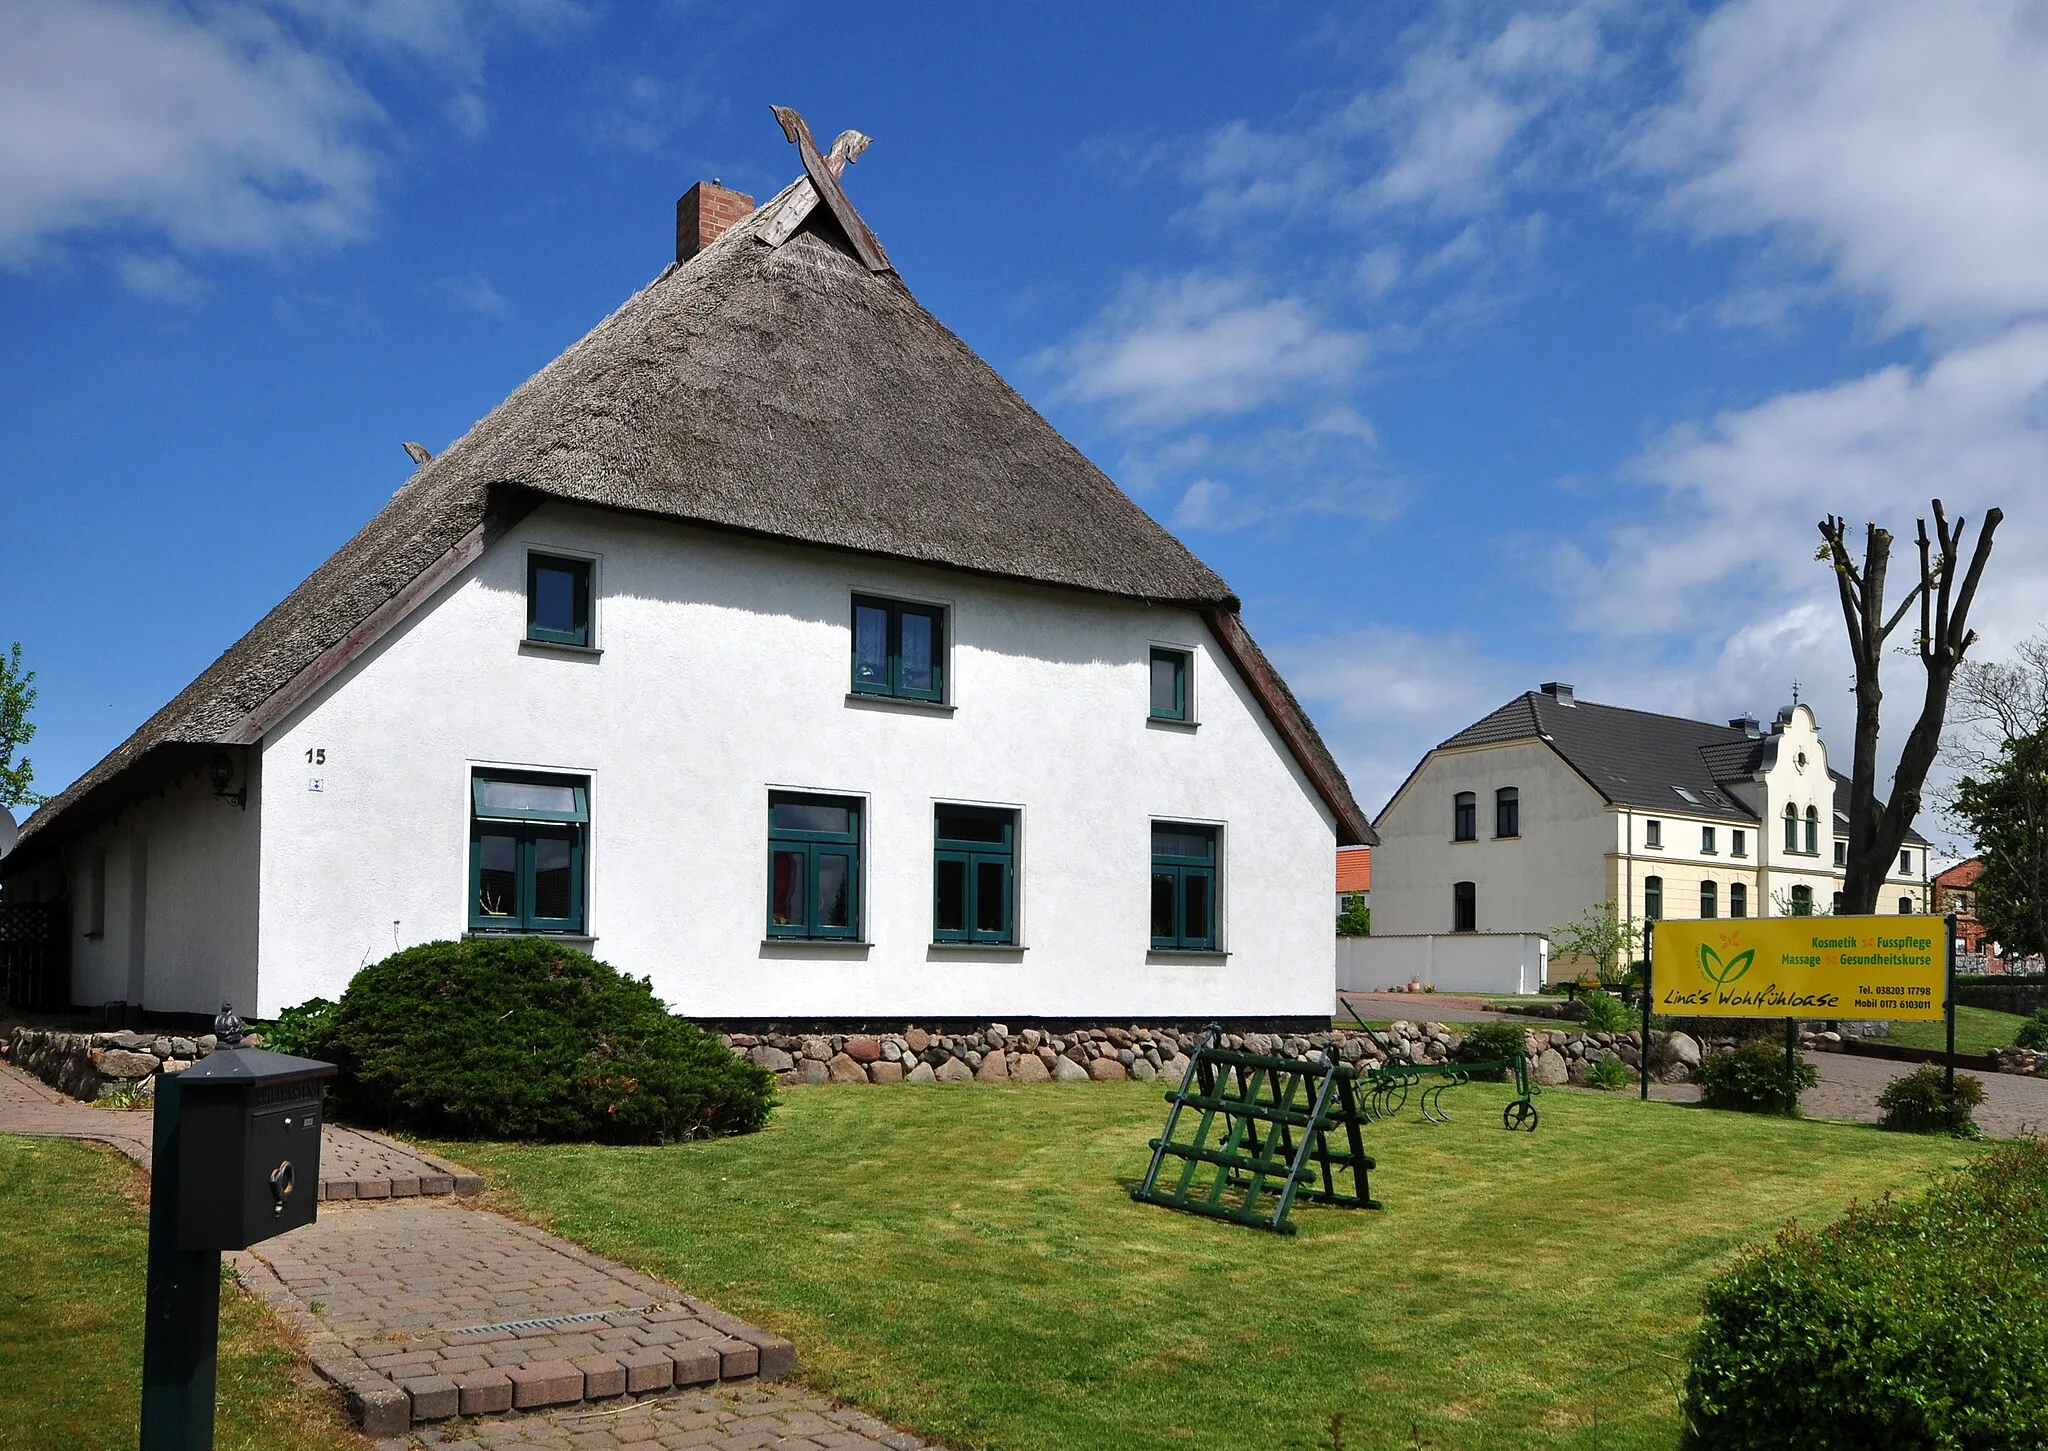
<point>1387,1087</point>
<point>1257,1135</point>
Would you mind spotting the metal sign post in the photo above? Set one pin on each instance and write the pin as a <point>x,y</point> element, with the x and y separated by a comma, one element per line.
<point>1951,1006</point>
<point>1649,956</point>
<point>181,1303</point>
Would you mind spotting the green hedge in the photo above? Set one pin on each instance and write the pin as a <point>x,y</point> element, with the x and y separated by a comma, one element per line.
<point>1492,1043</point>
<point>1917,1324</point>
<point>1752,1078</point>
<point>521,1038</point>
<point>1921,1102</point>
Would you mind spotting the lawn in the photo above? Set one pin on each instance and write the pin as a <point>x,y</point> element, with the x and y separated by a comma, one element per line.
<point>1978,1030</point>
<point>968,1262</point>
<point>73,1248</point>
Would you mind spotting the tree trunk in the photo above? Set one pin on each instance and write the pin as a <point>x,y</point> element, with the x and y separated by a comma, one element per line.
<point>1877,830</point>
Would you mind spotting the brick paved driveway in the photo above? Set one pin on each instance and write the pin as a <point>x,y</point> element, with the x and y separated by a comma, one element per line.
<point>422,1311</point>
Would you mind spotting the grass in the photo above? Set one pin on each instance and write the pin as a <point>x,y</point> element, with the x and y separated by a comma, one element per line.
<point>969,1263</point>
<point>1978,1030</point>
<point>73,1249</point>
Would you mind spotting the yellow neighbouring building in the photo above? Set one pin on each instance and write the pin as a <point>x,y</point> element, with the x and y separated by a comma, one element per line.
<point>1552,804</point>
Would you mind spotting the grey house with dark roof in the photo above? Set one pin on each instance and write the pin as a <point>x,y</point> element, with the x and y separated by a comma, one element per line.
<point>1552,805</point>
<point>765,642</point>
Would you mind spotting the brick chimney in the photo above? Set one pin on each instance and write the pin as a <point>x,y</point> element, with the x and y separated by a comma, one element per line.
<point>705,213</point>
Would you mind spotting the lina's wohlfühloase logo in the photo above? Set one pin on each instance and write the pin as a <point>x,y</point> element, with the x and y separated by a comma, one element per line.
<point>1722,971</point>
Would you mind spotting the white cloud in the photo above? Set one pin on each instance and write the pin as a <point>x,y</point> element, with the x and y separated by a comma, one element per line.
<point>474,293</point>
<point>1383,696</point>
<point>1743,493</point>
<point>1901,145</point>
<point>217,128</point>
<point>164,278</point>
<point>220,136</point>
<point>1198,346</point>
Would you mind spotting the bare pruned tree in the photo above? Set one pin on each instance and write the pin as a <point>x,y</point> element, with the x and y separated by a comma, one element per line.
<point>1944,594</point>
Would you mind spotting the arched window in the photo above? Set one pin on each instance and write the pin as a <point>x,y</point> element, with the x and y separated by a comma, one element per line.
<point>1738,899</point>
<point>1905,906</point>
<point>1812,831</point>
<point>1653,898</point>
<point>1464,817</point>
<point>1791,828</point>
<point>1802,901</point>
<point>1507,812</point>
<point>1464,907</point>
<point>1710,905</point>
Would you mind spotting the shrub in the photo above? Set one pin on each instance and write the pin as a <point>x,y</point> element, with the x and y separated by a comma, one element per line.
<point>298,1029</point>
<point>2033,1033</point>
<point>1606,1013</point>
<point>1611,1074</point>
<point>1922,1324</point>
<point>521,1038</point>
<point>1920,1103</point>
<point>1491,1043</point>
<point>1752,1078</point>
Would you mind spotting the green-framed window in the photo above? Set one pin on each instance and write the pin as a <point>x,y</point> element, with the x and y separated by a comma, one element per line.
<point>1183,885</point>
<point>974,875</point>
<point>527,835</point>
<point>813,865</point>
<point>899,649</point>
<point>557,599</point>
<point>1170,670</point>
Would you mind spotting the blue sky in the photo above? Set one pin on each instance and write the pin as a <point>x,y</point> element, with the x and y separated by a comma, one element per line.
<point>1476,345</point>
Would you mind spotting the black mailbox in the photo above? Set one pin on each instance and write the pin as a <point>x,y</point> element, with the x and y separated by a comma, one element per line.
<point>249,1150</point>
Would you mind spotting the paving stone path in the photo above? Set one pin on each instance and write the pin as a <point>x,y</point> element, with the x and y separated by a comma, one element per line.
<point>445,1325</point>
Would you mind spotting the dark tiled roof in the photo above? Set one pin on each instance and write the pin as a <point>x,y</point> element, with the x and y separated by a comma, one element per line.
<point>1637,758</point>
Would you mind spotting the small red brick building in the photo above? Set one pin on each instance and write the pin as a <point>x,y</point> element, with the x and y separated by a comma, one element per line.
<point>1954,891</point>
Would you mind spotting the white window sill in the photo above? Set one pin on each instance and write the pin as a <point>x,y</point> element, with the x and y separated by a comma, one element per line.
<point>1195,955</point>
<point>568,939</point>
<point>897,702</point>
<point>556,647</point>
<point>802,948</point>
<point>1167,723</point>
<point>987,951</point>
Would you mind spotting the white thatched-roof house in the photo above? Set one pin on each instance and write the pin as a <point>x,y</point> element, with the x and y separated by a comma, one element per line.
<point>765,641</point>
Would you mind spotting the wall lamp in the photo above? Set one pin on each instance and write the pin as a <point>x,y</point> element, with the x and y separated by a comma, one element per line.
<point>221,772</point>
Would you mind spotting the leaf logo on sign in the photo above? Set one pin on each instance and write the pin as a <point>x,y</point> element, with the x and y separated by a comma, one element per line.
<point>1720,973</point>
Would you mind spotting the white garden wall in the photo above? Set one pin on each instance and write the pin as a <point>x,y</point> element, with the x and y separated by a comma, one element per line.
<point>723,673</point>
<point>1453,962</point>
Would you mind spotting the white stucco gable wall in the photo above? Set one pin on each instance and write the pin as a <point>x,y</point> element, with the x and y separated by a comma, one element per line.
<point>1545,877</point>
<point>723,673</point>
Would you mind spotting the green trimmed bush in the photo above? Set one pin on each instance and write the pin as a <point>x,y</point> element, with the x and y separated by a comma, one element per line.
<point>297,1029</point>
<point>1606,1013</point>
<point>1752,1078</point>
<point>1920,1103</point>
<point>1611,1074</point>
<point>520,1038</point>
<point>1918,1324</point>
<point>2033,1033</point>
<point>1491,1043</point>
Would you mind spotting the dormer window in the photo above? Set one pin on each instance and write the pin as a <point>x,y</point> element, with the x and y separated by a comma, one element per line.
<point>558,600</point>
<point>899,649</point>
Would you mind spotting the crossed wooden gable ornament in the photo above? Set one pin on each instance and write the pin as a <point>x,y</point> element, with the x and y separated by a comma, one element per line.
<point>820,183</point>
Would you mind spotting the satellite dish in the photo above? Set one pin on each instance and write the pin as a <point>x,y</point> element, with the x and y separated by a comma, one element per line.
<point>8,831</point>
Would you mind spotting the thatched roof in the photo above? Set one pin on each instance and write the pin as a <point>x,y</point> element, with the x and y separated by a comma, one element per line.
<point>787,392</point>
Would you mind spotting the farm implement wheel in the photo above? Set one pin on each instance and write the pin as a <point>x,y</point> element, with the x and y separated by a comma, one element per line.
<point>1521,1114</point>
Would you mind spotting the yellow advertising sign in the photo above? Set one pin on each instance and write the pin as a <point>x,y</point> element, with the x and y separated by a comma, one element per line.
<point>1803,967</point>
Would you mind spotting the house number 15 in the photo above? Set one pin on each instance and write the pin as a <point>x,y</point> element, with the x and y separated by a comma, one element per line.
<point>316,755</point>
